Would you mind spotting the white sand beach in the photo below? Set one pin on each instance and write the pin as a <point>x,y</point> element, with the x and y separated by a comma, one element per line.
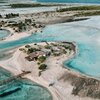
<point>18,35</point>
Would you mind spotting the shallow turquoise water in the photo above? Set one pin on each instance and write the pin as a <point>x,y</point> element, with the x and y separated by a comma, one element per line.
<point>86,35</point>
<point>3,34</point>
<point>27,89</point>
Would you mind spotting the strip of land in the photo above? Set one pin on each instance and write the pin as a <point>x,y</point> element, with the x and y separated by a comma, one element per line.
<point>23,5</point>
<point>78,8</point>
<point>82,10</point>
<point>24,25</point>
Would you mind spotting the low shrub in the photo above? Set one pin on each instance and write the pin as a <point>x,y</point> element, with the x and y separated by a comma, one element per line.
<point>42,66</point>
<point>41,59</point>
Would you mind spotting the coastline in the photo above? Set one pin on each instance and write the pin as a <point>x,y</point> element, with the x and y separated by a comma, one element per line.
<point>15,35</point>
<point>23,80</point>
<point>53,74</point>
<point>62,87</point>
<point>40,18</point>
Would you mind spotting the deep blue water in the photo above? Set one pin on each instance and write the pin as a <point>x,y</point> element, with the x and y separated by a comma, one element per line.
<point>71,1</point>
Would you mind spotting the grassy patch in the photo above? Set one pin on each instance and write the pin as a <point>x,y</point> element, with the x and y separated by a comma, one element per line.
<point>79,8</point>
<point>42,67</point>
<point>41,59</point>
<point>21,5</point>
<point>87,13</point>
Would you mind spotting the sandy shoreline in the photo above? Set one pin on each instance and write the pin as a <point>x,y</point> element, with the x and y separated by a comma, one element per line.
<point>43,19</point>
<point>15,35</point>
<point>60,90</point>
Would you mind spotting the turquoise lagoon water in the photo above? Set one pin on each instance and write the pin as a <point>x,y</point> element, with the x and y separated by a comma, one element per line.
<point>24,90</point>
<point>20,89</point>
<point>3,34</point>
<point>86,35</point>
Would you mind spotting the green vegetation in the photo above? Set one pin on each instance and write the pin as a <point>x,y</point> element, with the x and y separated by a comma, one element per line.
<point>47,46</point>
<point>11,15</point>
<point>21,26</point>
<point>53,44</point>
<point>42,66</point>
<point>41,59</point>
<point>0,16</point>
<point>38,63</point>
<point>28,21</point>
<point>79,8</point>
<point>31,50</point>
<point>21,49</point>
<point>87,13</point>
<point>21,5</point>
<point>67,47</point>
<point>40,72</point>
<point>64,51</point>
<point>56,54</point>
<point>27,46</point>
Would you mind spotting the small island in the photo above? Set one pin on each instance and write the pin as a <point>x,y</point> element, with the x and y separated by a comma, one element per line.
<point>41,52</point>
